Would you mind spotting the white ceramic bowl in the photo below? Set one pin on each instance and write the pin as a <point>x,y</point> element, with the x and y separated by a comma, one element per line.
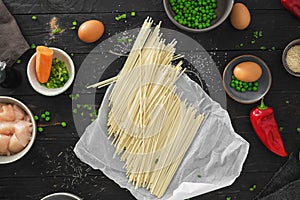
<point>61,196</point>
<point>31,74</point>
<point>17,156</point>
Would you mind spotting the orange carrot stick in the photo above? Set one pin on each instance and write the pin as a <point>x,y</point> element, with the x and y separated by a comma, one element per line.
<point>44,57</point>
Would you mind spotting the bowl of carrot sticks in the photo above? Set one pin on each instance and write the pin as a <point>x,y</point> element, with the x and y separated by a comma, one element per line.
<point>50,71</point>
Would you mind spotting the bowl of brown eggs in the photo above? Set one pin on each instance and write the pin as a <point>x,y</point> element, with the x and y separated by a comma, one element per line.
<point>198,16</point>
<point>17,129</point>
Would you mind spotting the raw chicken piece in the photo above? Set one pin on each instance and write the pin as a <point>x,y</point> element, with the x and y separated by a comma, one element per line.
<point>23,131</point>
<point>27,118</point>
<point>7,128</point>
<point>4,141</point>
<point>19,112</point>
<point>14,145</point>
<point>7,112</point>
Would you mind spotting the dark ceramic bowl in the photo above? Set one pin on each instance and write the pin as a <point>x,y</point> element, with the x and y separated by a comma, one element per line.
<point>223,10</point>
<point>247,97</point>
<point>286,49</point>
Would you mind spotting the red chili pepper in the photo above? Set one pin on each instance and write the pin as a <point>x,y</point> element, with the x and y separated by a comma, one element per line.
<point>265,126</point>
<point>293,6</point>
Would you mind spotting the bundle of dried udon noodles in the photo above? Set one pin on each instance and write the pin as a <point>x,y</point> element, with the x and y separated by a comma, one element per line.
<point>151,126</point>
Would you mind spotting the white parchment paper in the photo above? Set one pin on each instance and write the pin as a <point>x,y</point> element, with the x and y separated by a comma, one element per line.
<point>217,153</point>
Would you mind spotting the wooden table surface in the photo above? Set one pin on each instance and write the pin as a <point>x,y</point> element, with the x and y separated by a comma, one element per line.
<point>52,166</point>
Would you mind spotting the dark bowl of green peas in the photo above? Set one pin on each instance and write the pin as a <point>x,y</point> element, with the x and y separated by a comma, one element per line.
<point>198,15</point>
<point>243,92</point>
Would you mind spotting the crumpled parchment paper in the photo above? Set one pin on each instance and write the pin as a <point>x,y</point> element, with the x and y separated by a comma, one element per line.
<point>214,159</point>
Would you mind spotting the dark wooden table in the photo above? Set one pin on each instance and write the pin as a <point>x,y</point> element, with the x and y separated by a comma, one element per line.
<point>51,165</point>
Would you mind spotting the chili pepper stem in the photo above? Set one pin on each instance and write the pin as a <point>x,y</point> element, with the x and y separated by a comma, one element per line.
<point>262,105</point>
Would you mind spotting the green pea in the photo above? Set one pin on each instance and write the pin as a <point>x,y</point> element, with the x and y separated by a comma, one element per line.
<point>254,88</point>
<point>63,124</point>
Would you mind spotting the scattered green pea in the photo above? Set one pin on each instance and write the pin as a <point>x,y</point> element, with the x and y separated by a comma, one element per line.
<point>63,124</point>
<point>43,115</point>
<point>280,129</point>
<point>252,188</point>
<point>33,46</point>
<point>132,14</point>
<point>47,119</point>
<point>18,61</point>
<point>47,113</point>
<point>34,17</point>
<point>263,48</point>
<point>36,117</point>
<point>257,34</point>
<point>228,198</point>
<point>74,23</point>
<point>287,101</point>
<point>72,54</point>
<point>40,129</point>
<point>298,129</point>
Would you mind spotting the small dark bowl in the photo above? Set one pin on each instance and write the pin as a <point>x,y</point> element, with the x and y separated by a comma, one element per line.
<point>247,97</point>
<point>284,54</point>
<point>223,10</point>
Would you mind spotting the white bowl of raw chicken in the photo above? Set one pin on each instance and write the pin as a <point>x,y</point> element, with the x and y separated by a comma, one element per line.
<point>17,129</point>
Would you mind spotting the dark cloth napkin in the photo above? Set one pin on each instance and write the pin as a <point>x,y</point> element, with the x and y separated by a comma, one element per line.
<point>285,184</point>
<point>12,42</point>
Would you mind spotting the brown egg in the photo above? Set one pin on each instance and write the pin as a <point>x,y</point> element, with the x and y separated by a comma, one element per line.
<point>90,31</point>
<point>240,16</point>
<point>247,71</point>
